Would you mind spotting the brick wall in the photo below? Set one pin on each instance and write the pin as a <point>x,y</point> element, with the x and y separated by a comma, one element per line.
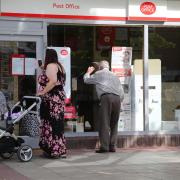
<point>127,141</point>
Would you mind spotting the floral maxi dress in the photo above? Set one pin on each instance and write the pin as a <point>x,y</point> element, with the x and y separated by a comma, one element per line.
<point>52,140</point>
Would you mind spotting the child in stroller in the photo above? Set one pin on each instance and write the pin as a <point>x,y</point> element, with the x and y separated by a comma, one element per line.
<point>9,143</point>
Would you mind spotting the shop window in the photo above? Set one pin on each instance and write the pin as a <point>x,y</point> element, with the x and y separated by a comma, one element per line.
<point>164,45</point>
<point>89,44</point>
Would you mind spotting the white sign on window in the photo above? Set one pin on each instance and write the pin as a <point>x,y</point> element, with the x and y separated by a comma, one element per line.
<point>30,66</point>
<point>17,66</point>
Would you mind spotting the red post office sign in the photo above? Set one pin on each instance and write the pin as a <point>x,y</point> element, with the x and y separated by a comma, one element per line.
<point>148,8</point>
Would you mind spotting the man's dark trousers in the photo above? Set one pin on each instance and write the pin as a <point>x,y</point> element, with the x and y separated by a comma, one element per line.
<point>108,113</point>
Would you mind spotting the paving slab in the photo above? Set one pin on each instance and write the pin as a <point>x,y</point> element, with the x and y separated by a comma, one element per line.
<point>125,164</point>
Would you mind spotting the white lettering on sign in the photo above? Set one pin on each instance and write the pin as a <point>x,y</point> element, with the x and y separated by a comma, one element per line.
<point>64,52</point>
<point>116,49</point>
<point>66,6</point>
<point>148,8</point>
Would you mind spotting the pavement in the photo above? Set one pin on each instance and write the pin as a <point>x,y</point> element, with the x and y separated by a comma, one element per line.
<point>84,164</point>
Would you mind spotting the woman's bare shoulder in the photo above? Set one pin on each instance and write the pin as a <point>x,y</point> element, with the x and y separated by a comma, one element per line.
<point>51,69</point>
<point>52,66</point>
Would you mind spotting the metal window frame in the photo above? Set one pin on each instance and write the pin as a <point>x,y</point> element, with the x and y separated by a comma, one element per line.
<point>146,79</point>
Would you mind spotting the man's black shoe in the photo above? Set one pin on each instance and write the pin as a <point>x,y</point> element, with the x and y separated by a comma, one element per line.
<point>112,150</point>
<point>101,151</point>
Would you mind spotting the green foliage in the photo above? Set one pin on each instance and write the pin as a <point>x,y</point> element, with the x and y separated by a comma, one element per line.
<point>157,42</point>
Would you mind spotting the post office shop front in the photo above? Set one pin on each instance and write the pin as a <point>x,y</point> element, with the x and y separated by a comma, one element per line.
<point>148,30</point>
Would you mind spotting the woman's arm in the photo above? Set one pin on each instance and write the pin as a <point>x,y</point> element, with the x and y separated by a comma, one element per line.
<point>51,72</point>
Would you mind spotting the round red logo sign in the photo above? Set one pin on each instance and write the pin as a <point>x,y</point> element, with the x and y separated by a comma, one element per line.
<point>64,52</point>
<point>148,8</point>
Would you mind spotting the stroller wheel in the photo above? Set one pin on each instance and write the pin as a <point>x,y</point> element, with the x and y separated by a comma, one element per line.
<point>24,153</point>
<point>6,155</point>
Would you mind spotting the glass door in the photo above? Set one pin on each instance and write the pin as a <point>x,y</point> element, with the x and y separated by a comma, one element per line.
<point>13,87</point>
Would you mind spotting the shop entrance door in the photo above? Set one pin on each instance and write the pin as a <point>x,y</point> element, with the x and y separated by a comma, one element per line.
<point>15,86</point>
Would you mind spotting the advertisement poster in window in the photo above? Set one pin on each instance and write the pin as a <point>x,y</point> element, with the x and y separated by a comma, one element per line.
<point>121,65</point>
<point>105,37</point>
<point>64,57</point>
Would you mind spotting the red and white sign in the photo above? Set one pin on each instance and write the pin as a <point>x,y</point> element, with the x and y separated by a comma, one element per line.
<point>21,65</point>
<point>70,112</point>
<point>18,64</point>
<point>64,52</point>
<point>105,37</point>
<point>64,56</point>
<point>122,72</point>
<point>73,9</point>
<point>150,10</point>
<point>121,65</point>
<point>121,57</point>
<point>114,10</point>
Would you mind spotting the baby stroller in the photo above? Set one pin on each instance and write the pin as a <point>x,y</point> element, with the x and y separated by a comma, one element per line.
<point>9,142</point>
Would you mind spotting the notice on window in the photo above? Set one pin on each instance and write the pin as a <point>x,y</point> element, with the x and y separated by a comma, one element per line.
<point>121,56</point>
<point>121,65</point>
<point>30,66</point>
<point>17,65</point>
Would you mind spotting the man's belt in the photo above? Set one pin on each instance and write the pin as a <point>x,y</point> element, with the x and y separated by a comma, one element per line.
<point>108,94</point>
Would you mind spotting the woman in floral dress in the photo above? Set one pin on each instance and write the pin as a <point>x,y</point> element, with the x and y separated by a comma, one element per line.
<point>52,81</point>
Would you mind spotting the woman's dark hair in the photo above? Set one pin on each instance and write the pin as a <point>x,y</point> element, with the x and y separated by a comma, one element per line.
<point>52,57</point>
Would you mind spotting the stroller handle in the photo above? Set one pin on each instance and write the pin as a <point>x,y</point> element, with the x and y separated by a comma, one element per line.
<point>37,98</point>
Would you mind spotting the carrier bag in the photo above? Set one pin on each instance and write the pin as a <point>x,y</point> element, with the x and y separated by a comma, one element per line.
<point>29,125</point>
